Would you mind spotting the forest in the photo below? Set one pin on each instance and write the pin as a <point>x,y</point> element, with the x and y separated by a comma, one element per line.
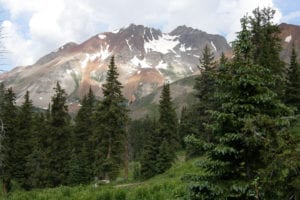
<point>239,140</point>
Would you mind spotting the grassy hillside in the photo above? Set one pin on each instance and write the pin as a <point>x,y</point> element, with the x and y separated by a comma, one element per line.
<point>181,92</point>
<point>167,186</point>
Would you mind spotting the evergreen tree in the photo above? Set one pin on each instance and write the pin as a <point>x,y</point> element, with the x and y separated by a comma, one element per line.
<point>82,148</point>
<point>150,152</point>
<point>139,133</point>
<point>223,59</point>
<point>187,125</point>
<point>267,45</point>
<point>165,157</point>
<point>110,130</point>
<point>205,87</point>
<point>37,161</point>
<point>292,96</point>
<point>247,129</point>
<point>23,146</point>
<point>58,140</point>
<point>8,138</point>
<point>168,122</point>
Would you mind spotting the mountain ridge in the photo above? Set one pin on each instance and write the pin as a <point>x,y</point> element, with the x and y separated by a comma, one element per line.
<point>146,58</point>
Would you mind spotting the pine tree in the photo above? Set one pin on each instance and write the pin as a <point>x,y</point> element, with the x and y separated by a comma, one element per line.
<point>139,133</point>
<point>223,59</point>
<point>165,157</point>
<point>58,141</point>
<point>205,87</point>
<point>247,130</point>
<point>82,148</point>
<point>37,161</point>
<point>150,152</point>
<point>8,138</point>
<point>267,45</point>
<point>110,130</point>
<point>168,122</point>
<point>22,143</point>
<point>188,124</point>
<point>292,94</point>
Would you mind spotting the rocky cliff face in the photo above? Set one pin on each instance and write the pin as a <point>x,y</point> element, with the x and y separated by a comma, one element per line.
<point>146,58</point>
<point>290,34</point>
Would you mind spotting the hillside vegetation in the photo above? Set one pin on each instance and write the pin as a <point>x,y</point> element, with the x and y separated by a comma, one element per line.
<point>167,186</point>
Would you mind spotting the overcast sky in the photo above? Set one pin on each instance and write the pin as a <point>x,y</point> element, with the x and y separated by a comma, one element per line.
<point>34,28</point>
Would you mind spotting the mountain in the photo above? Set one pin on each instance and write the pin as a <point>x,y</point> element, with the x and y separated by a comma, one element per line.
<point>146,58</point>
<point>290,34</point>
<point>182,90</point>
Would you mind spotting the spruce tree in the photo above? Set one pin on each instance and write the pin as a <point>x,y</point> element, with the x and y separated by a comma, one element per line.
<point>247,130</point>
<point>292,94</point>
<point>82,148</point>
<point>110,127</point>
<point>150,151</point>
<point>205,87</point>
<point>267,45</point>
<point>23,147</point>
<point>37,161</point>
<point>8,138</point>
<point>168,122</point>
<point>58,141</point>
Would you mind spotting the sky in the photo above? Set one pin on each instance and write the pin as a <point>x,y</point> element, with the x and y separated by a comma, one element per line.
<point>34,28</point>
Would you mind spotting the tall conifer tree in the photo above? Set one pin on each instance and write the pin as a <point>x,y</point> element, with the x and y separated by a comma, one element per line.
<point>58,141</point>
<point>23,147</point>
<point>292,94</point>
<point>82,148</point>
<point>168,122</point>
<point>8,138</point>
<point>248,130</point>
<point>110,130</point>
<point>205,88</point>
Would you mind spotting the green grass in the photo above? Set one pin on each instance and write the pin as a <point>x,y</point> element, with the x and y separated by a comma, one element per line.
<point>167,186</point>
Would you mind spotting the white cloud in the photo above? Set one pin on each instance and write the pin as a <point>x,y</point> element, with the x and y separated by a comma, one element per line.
<point>52,23</point>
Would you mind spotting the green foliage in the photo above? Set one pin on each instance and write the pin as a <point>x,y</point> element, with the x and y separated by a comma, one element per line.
<point>166,186</point>
<point>158,153</point>
<point>58,140</point>
<point>249,138</point>
<point>8,138</point>
<point>292,93</point>
<point>139,133</point>
<point>109,132</point>
<point>187,126</point>
<point>81,163</point>
<point>150,152</point>
<point>23,146</point>
<point>167,121</point>
<point>165,157</point>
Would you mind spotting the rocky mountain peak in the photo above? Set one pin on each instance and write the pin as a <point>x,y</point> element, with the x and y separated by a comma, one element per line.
<point>184,30</point>
<point>145,58</point>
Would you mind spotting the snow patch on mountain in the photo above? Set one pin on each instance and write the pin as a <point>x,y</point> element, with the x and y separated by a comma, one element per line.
<point>101,36</point>
<point>116,31</point>
<point>84,62</point>
<point>104,52</point>
<point>163,44</point>
<point>162,65</point>
<point>128,44</point>
<point>140,63</point>
<point>213,45</point>
<point>288,39</point>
